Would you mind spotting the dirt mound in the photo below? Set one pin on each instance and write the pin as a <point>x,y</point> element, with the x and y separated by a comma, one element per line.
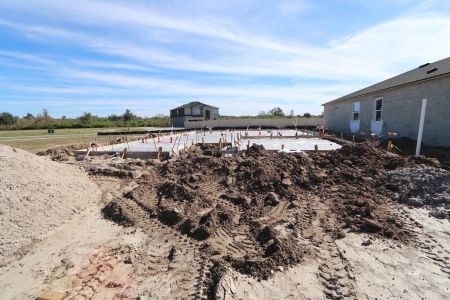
<point>37,194</point>
<point>252,211</point>
<point>61,153</point>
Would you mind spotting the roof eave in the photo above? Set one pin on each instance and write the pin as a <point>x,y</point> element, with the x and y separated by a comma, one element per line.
<point>345,98</point>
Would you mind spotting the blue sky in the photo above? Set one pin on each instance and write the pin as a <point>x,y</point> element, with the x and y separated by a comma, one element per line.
<point>241,55</point>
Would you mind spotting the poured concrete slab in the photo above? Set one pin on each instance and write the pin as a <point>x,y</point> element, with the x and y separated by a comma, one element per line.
<point>300,144</point>
<point>289,140</point>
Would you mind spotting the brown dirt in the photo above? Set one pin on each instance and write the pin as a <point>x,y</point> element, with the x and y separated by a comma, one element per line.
<point>61,153</point>
<point>260,212</point>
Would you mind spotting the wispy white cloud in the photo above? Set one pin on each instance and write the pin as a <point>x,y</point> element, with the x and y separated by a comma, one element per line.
<point>133,50</point>
<point>100,13</point>
<point>383,49</point>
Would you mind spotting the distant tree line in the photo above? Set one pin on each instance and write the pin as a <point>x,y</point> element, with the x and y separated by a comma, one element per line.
<point>276,112</point>
<point>43,120</point>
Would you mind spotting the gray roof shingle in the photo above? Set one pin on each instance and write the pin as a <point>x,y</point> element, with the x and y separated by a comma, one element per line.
<point>423,72</point>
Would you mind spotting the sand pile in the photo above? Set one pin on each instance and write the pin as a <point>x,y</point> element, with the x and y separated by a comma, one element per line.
<point>37,195</point>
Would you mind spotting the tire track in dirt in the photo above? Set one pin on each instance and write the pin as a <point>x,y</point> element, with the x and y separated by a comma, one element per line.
<point>204,271</point>
<point>274,214</point>
<point>308,215</point>
<point>437,253</point>
<point>234,243</point>
<point>428,245</point>
<point>177,255</point>
<point>336,275</point>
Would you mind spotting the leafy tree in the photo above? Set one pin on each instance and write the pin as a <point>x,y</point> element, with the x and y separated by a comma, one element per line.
<point>7,118</point>
<point>262,114</point>
<point>114,118</point>
<point>29,116</point>
<point>307,115</point>
<point>63,117</point>
<point>276,112</point>
<point>128,116</point>
<point>86,117</point>
<point>291,113</point>
<point>45,114</point>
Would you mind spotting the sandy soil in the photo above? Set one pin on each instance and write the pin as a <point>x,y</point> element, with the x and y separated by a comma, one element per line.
<point>37,195</point>
<point>381,270</point>
<point>63,260</point>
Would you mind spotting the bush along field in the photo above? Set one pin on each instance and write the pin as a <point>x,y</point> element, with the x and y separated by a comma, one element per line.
<point>43,121</point>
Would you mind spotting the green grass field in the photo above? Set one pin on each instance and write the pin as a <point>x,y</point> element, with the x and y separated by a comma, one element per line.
<point>37,140</point>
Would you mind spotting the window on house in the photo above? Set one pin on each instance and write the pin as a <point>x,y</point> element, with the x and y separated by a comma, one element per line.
<point>378,109</point>
<point>196,111</point>
<point>356,108</point>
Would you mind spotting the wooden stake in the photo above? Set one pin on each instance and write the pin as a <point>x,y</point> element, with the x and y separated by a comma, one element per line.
<point>125,153</point>
<point>159,153</point>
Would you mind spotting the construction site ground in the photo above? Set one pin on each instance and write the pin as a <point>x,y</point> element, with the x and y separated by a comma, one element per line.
<point>353,223</point>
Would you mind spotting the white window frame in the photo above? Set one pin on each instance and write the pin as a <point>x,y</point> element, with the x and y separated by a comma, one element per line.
<point>356,109</point>
<point>378,110</point>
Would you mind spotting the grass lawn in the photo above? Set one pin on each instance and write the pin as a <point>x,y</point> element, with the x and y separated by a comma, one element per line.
<point>37,140</point>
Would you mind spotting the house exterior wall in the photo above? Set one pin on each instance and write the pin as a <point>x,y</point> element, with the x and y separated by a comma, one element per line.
<point>400,112</point>
<point>244,123</point>
<point>177,122</point>
<point>194,113</point>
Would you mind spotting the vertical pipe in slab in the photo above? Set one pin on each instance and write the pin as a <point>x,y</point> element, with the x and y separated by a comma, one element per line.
<point>421,122</point>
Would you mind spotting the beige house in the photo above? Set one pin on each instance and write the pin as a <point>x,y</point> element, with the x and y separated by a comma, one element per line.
<point>393,106</point>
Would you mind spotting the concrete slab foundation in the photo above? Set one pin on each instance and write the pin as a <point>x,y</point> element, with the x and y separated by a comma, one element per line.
<point>169,145</point>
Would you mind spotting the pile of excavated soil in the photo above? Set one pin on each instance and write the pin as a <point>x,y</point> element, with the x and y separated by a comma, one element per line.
<point>36,196</point>
<point>262,211</point>
<point>61,153</point>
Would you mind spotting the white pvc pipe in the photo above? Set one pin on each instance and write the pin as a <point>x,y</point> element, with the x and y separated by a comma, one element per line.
<point>421,122</point>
